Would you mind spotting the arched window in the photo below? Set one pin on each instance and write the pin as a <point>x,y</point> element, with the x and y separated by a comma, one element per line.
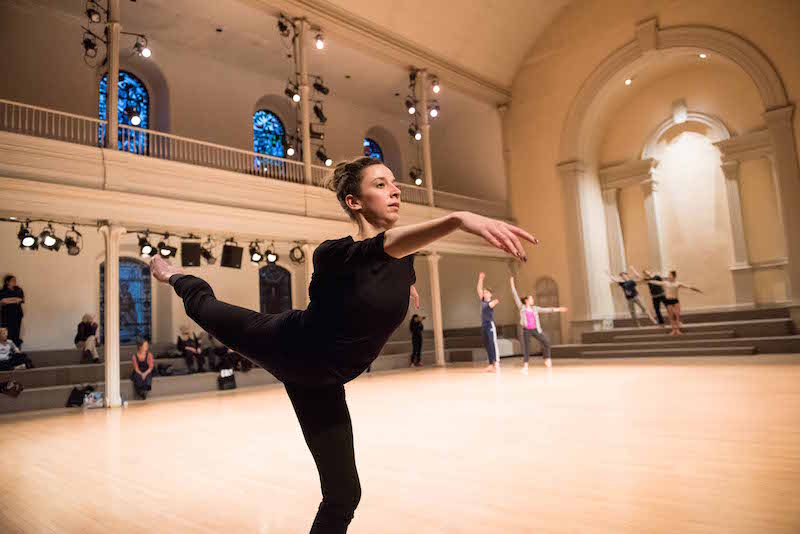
<point>133,109</point>
<point>134,300</point>
<point>269,134</point>
<point>275,289</point>
<point>372,149</point>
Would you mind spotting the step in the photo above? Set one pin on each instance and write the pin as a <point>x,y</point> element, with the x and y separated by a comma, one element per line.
<point>716,316</point>
<point>764,345</point>
<point>755,328</point>
<point>694,351</point>
<point>75,374</point>
<point>72,356</point>
<point>720,334</point>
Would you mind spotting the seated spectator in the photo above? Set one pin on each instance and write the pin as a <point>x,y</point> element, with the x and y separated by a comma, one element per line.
<point>10,355</point>
<point>189,347</point>
<point>86,339</point>
<point>142,374</point>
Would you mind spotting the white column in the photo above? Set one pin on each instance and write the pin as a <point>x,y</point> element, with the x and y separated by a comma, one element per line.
<point>305,97</point>
<point>436,301</point>
<point>651,211</point>
<point>741,271</point>
<point>112,234</point>
<point>308,251</point>
<point>787,188</point>
<point>112,86</point>
<point>506,140</point>
<point>422,89</point>
<point>616,244</point>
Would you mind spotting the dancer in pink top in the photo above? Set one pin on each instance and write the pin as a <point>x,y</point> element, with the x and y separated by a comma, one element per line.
<point>531,326</point>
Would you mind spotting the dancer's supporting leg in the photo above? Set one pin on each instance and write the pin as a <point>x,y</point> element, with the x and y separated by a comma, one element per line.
<point>545,342</point>
<point>638,302</point>
<point>632,310</point>
<point>487,333</point>
<point>526,349</point>
<point>325,421</point>
<point>672,319</point>
<point>677,308</point>
<point>657,301</point>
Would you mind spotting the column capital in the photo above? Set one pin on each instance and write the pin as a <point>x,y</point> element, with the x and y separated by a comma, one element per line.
<point>433,257</point>
<point>778,117</point>
<point>731,169</point>
<point>112,230</point>
<point>570,169</point>
<point>649,185</point>
<point>611,195</point>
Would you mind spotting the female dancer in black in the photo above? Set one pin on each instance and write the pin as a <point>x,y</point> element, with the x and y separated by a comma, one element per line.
<point>359,296</point>
<point>416,328</point>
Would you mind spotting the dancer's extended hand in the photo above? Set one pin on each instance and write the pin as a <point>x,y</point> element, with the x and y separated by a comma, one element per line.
<point>162,270</point>
<point>498,233</point>
<point>415,297</point>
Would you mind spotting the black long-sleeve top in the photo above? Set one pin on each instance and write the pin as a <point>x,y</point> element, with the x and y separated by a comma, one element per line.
<point>84,331</point>
<point>359,296</point>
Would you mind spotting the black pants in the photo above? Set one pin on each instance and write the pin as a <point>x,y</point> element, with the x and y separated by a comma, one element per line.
<point>657,302</point>
<point>191,357</point>
<point>416,349</point>
<point>526,343</point>
<point>18,358</point>
<point>325,422</point>
<point>489,335</point>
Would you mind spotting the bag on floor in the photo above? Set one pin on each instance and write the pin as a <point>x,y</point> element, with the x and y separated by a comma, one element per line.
<point>11,388</point>
<point>164,369</point>
<point>226,379</point>
<point>76,396</point>
<point>93,400</point>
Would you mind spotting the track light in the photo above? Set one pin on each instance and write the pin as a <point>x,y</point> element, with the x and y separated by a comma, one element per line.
<point>164,249</point>
<point>74,241</point>
<point>323,157</point>
<point>292,92</point>
<point>320,87</point>
<point>414,132</point>
<point>133,114</point>
<point>283,25</point>
<point>319,42</point>
<point>255,252</point>
<point>319,136</point>
<point>290,150</point>
<point>416,175</point>
<point>140,46</point>
<point>410,106</point>
<point>89,45</point>
<point>318,112</point>
<point>207,252</point>
<point>49,240</point>
<point>93,14</point>
<point>435,86</point>
<point>272,254</point>
<point>297,255</point>
<point>145,248</point>
<point>26,239</point>
<point>435,109</point>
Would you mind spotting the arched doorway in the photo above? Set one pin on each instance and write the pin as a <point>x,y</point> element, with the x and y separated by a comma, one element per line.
<point>135,316</point>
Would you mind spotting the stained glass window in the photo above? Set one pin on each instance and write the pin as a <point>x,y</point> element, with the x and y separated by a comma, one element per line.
<point>269,135</point>
<point>275,288</point>
<point>372,149</point>
<point>134,300</point>
<point>134,101</point>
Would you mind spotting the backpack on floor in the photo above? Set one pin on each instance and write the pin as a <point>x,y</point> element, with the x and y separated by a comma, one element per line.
<point>76,396</point>
<point>226,379</point>
<point>93,400</point>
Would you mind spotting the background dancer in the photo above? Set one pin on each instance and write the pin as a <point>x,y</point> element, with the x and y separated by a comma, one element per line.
<point>416,327</point>
<point>628,285</point>
<point>359,294</point>
<point>531,326</point>
<point>488,328</point>
<point>671,288</point>
<point>656,291</point>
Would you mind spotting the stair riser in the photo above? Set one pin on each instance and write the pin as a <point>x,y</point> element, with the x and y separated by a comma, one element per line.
<point>708,317</point>
<point>776,328</point>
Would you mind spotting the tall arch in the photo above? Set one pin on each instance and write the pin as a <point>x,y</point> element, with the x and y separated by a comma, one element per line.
<point>135,300</point>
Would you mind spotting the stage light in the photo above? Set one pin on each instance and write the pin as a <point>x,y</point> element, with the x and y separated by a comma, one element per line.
<point>164,249</point>
<point>628,81</point>
<point>49,240</point>
<point>319,42</point>
<point>414,132</point>
<point>207,252</point>
<point>93,14</point>
<point>290,150</point>
<point>292,92</point>
<point>89,45</point>
<point>435,109</point>
<point>283,25</point>
<point>133,114</point>
<point>26,239</point>
<point>435,86</point>
<point>145,248</point>
<point>321,87</point>
<point>323,157</point>
<point>74,242</point>
<point>418,181</point>
<point>140,47</point>
<point>703,56</point>
<point>272,254</point>
<point>416,175</point>
<point>410,106</point>
<point>297,255</point>
<point>255,252</point>
<point>318,112</point>
<point>319,136</point>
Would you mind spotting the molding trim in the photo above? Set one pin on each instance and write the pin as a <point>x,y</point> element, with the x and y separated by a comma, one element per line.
<point>719,131</point>
<point>754,145</point>
<point>627,174</point>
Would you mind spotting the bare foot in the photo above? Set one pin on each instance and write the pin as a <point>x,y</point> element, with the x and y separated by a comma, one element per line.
<point>548,362</point>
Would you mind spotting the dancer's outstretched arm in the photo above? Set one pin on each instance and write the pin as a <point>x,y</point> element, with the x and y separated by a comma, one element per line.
<point>402,241</point>
<point>481,276</point>
<point>692,288</point>
<point>514,292</point>
<point>613,278</point>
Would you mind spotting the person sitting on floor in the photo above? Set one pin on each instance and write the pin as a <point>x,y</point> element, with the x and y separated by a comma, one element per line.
<point>189,347</point>
<point>10,355</point>
<point>86,339</point>
<point>142,375</point>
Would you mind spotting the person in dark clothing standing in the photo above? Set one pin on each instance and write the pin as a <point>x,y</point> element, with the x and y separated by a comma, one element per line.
<point>488,328</point>
<point>11,300</point>
<point>359,295</point>
<point>628,285</point>
<point>656,291</point>
<point>416,328</point>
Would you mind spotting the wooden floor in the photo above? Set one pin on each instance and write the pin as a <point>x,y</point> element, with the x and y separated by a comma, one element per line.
<point>613,446</point>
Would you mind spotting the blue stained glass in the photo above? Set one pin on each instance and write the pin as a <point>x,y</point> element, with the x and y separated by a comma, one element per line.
<point>133,100</point>
<point>372,149</point>
<point>134,300</point>
<point>269,135</point>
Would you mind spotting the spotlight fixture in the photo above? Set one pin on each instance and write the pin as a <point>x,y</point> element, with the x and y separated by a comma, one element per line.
<point>290,149</point>
<point>416,175</point>
<point>89,45</point>
<point>319,136</point>
<point>49,240</point>
<point>318,112</point>
<point>140,46</point>
<point>74,242</point>
<point>133,113</point>
<point>255,252</point>
<point>283,25</point>
<point>26,239</point>
<point>272,254</point>
<point>410,106</point>
<point>435,109</point>
<point>292,92</point>
<point>207,252</point>
<point>703,56</point>
<point>628,81</point>
<point>145,248</point>
<point>93,14</point>
<point>297,255</point>
<point>414,132</point>
<point>323,156</point>
<point>164,249</point>
<point>319,42</point>
<point>321,87</point>
<point>435,86</point>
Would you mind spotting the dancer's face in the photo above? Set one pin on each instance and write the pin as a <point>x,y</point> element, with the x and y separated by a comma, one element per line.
<point>12,283</point>
<point>487,295</point>
<point>529,301</point>
<point>379,201</point>
<point>3,335</point>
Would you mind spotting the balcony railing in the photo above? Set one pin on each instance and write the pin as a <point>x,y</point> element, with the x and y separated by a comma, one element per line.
<point>41,122</point>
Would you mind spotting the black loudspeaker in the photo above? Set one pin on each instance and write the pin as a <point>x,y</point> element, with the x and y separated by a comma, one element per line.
<point>231,256</point>
<point>190,254</point>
